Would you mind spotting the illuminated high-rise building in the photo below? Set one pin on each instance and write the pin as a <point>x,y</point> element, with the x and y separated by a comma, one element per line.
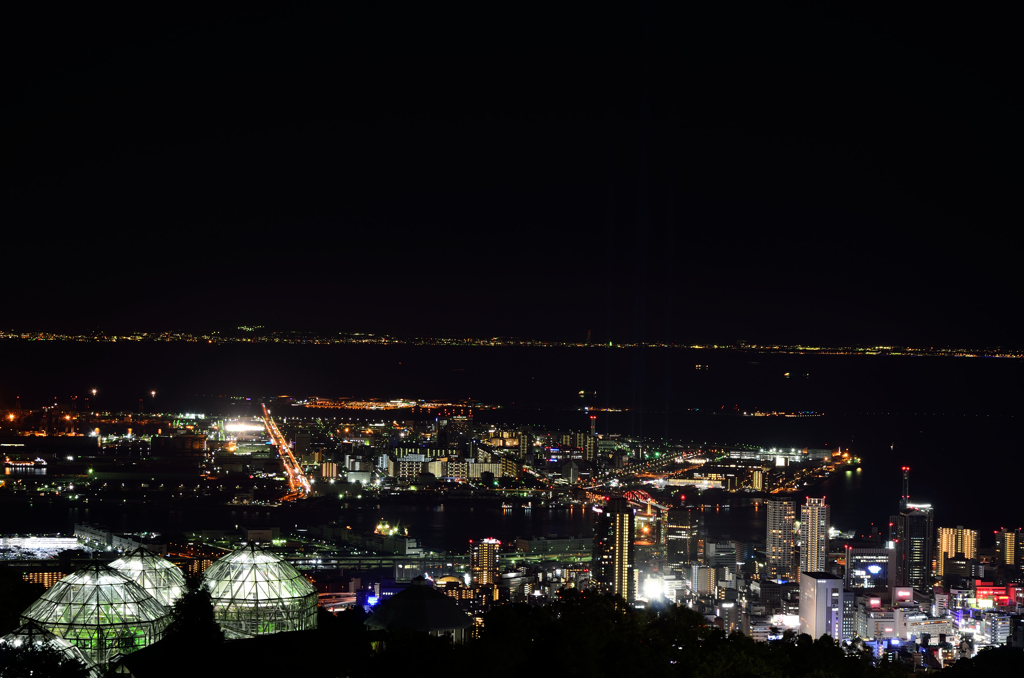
<point>582,443</point>
<point>814,524</point>
<point>525,443</point>
<point>913,533</point>
<point>614,534</point>
<point>779,541</point>
<point>1010,547</point>
<point>702,579</point>
<point>681,539</point>
<point>588,443</point>
<point>483,559</point>
<point>954,540</point>
<point>914,539</point>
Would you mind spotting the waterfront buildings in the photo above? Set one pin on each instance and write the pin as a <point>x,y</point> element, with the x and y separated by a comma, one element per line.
<point>716,587</point>
<point>814,524</point>
<point>779,541</point>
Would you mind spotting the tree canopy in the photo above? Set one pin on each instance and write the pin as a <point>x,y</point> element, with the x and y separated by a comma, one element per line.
<point>192,617</point>
<point>31,660</point>
<point>597,635</point>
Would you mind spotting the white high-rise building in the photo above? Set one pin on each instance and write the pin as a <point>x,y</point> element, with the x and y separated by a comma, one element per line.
<point>814,523</point>
<point>821,605</point>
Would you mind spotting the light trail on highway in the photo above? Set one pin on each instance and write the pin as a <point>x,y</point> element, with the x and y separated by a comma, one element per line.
<point>298,483</point>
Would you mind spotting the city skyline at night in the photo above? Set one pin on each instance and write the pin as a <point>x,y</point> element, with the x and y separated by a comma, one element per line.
<point>597,340</point>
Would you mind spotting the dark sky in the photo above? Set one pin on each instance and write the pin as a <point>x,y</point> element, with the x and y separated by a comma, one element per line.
<point>639,172</point>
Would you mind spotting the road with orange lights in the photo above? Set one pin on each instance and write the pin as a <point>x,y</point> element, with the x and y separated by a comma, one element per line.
<point>298,483</point>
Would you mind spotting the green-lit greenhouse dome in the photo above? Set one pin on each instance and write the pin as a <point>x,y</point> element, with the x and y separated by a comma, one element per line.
<point>159,576</point>
<point>33,635</point>
<point>100,611</point>
<point>257,593</point>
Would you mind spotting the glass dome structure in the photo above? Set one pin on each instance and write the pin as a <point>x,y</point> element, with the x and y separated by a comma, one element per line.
<point>100,611</point>
<point>257,593</point>
<point>33,634</point>
<point>159,576</point>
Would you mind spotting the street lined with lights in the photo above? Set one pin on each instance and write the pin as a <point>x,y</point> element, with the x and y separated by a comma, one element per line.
<point>298,483</point>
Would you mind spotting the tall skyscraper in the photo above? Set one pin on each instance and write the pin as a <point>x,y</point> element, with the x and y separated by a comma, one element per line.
<point>954,540</point>
<point>483,559</point>
<point>814,523</point>
<point>614,534</point>
<point>905,498</point>
<point>779,541</point>
<point>894,519</point>
<point>915,527</point>
<point>821,605</point>
<point>681,542</point>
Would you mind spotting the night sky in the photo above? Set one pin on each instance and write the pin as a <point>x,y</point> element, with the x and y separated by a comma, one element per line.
<point>645,173</point>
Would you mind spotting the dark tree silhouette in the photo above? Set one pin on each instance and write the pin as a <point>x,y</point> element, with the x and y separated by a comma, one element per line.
<point>996,661</point>
<point>598,635</point>
<point>16,595</point>
<point>192,618</point>
<point>30,660</point>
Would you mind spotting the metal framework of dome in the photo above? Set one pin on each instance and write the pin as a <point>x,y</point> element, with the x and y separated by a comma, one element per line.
<point>35,635</point>
<point>100,611</point>
<point>257,593</point>
<point>159,576</point>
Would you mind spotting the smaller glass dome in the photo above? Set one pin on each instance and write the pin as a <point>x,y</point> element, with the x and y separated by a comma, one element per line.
<point>159,576</point>
<point>256,593</point>
<point>33,634</point>
<point>100,611</point>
